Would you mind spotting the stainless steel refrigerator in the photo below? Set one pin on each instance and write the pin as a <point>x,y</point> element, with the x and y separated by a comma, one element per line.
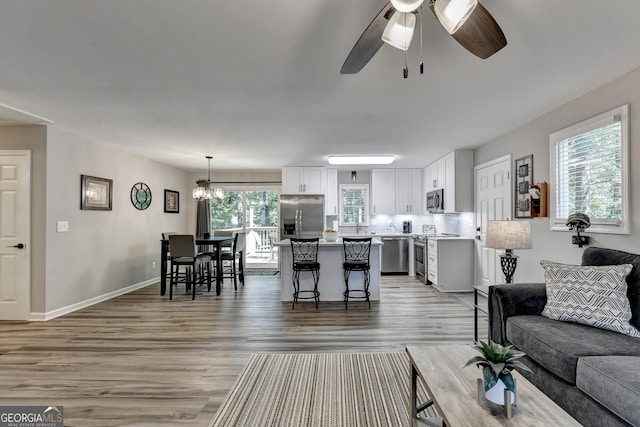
<point>301,216</point>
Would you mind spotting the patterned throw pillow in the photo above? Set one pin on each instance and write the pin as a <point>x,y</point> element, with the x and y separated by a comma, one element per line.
<point>591,295</point>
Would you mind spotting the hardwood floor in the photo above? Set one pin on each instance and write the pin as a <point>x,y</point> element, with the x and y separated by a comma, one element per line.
<point>142,360</point>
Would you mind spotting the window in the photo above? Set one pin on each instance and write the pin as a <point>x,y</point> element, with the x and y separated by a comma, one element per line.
<point>354,204</point>
<point>589,163</point>
<point>245,209</point>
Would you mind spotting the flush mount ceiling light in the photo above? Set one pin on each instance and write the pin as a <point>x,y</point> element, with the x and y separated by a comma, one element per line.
<point>399,31</point>
<point>361,160</point>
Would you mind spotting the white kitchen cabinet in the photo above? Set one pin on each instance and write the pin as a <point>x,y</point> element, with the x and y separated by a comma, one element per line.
<point>450,264</point>
<point>458,181</point>
<point>303,180</point>
<point>434,175</point>
<point>409,191</point>
<point>331,193</point>
<point>383,191</point>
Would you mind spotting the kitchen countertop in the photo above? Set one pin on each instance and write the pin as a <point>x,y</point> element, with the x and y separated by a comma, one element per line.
<point>449,238</point>
<point>322,242</point>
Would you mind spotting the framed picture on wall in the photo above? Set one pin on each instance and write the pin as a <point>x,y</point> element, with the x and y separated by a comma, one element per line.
<point>95,193</point>
<point>171,201</point>
<point>523,180</point>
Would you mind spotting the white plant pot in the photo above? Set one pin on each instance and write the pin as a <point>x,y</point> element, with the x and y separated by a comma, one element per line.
<point>496,393</point>
<point>330,236</point>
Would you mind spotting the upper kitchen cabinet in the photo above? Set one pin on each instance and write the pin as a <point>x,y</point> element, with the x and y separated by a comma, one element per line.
<point>434,176</point>
<point>303,180</point>
<point>331,193</point>
<point>458,181</point>
<point>383,191</point>
<point>409,191</point>
<point>453,174</point>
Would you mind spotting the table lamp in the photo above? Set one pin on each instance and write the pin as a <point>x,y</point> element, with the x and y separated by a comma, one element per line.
<point>508,235</point>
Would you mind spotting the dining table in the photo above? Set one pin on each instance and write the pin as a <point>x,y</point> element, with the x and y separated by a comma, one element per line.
<point>217,242</point>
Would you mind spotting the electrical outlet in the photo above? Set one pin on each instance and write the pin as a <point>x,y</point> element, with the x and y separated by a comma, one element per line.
<point>62,226</point>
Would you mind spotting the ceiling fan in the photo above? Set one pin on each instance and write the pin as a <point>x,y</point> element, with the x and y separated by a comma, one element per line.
<point>466,20</point>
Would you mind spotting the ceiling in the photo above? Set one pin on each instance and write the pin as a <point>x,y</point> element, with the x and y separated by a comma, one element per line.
<point>256,84</point>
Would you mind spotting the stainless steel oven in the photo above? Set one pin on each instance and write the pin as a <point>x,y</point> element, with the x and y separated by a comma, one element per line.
<point>420,258</point>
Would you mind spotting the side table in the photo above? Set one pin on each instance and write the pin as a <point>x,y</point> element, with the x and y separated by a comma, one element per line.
<point>478,290</point>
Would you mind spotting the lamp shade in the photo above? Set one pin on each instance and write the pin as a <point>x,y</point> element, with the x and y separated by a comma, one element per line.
<point>452,14</point>
<point>508,235</point>
<point>406,5</point>
<point>399,30</point>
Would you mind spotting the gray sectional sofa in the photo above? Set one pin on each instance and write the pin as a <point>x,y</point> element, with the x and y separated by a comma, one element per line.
<point>592,373</point>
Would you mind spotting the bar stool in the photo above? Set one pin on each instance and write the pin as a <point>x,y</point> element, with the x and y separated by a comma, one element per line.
<point>356,258</point>
<point>305,258</point>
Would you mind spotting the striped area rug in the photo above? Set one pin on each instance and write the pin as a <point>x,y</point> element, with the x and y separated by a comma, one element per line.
<point>328,390</point>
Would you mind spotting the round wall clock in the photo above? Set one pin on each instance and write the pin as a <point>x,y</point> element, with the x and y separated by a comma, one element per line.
<point>141,196</point>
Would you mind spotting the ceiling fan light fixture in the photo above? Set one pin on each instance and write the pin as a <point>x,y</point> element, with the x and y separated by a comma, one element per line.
<point>399,31</point>
<point>452,14</point>
<point>406,5</point>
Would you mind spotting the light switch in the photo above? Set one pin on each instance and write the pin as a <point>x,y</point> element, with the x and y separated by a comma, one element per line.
<point>62,226</point>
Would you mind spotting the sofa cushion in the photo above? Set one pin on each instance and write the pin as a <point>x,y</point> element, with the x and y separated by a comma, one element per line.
<point>592,295</point>
<point>558,345</point>
<point>614,381</point>
<point>603,256</point>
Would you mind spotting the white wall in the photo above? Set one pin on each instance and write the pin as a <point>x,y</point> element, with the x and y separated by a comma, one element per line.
<point>104,251</point>
<point>533,138</point>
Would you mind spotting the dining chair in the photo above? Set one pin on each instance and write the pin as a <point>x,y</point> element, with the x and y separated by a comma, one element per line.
<point>233,257</point>
<point>198,266</point>
<point>356,258</point>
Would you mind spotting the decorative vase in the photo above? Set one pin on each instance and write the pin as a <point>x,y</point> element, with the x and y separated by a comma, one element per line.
<point>496,393</point>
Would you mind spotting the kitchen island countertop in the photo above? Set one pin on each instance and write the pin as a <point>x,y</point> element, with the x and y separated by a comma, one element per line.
<point>331,282</point>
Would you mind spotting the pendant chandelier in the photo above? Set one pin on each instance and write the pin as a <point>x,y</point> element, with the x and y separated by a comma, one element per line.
<point>204,190</point>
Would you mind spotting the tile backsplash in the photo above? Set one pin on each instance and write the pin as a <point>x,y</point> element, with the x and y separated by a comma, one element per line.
<point>457,223</point>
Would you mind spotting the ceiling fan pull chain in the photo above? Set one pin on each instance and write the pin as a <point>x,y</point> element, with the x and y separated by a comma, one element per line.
<point>405,70</point>
<point>421,51</point>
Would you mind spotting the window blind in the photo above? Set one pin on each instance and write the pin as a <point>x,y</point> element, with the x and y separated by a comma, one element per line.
<point>589,174</point>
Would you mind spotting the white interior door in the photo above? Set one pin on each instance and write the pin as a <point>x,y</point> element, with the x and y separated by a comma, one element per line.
<point>493,202</point>
<point>15,254</point>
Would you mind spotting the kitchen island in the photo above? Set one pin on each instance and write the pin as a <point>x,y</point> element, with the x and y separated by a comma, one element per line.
<point>331,283</point>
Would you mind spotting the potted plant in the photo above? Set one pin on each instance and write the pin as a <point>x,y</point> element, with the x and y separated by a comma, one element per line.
<point>330,235</point>
<point>497,362</point>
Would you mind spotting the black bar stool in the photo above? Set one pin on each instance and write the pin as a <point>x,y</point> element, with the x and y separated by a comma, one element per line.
<point>305,258</point>
<point>356,258</point>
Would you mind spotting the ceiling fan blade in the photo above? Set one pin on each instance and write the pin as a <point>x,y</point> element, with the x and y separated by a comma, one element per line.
<point>369,42</point>
<point>480,34</point>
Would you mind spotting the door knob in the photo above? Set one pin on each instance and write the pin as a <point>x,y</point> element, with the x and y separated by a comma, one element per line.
<point>19,246</point>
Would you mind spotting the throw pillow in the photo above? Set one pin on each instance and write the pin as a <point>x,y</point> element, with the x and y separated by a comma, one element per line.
<point>591,295</point>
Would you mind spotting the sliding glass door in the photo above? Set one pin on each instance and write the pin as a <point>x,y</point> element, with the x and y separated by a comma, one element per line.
<point>256,212</point>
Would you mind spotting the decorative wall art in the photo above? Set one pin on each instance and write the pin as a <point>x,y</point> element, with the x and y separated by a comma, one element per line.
<point>524,178</point>
<point>171,201</point>
<point>141,196</point>
<point>95,193</point>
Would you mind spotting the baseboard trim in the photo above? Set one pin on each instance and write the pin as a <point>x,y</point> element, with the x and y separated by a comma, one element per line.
<point>43,317</point>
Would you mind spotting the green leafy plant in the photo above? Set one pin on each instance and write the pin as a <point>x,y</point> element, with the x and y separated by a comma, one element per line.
<point>497,362</point>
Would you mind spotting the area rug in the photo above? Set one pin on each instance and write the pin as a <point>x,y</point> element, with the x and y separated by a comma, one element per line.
<point>254,272</point>
<point>328,390</point>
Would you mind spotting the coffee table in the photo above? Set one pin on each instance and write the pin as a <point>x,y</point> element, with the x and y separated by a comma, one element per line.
<point>454,392</point>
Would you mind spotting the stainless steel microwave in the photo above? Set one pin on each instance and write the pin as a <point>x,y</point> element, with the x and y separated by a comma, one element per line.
<point>435,201</point>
